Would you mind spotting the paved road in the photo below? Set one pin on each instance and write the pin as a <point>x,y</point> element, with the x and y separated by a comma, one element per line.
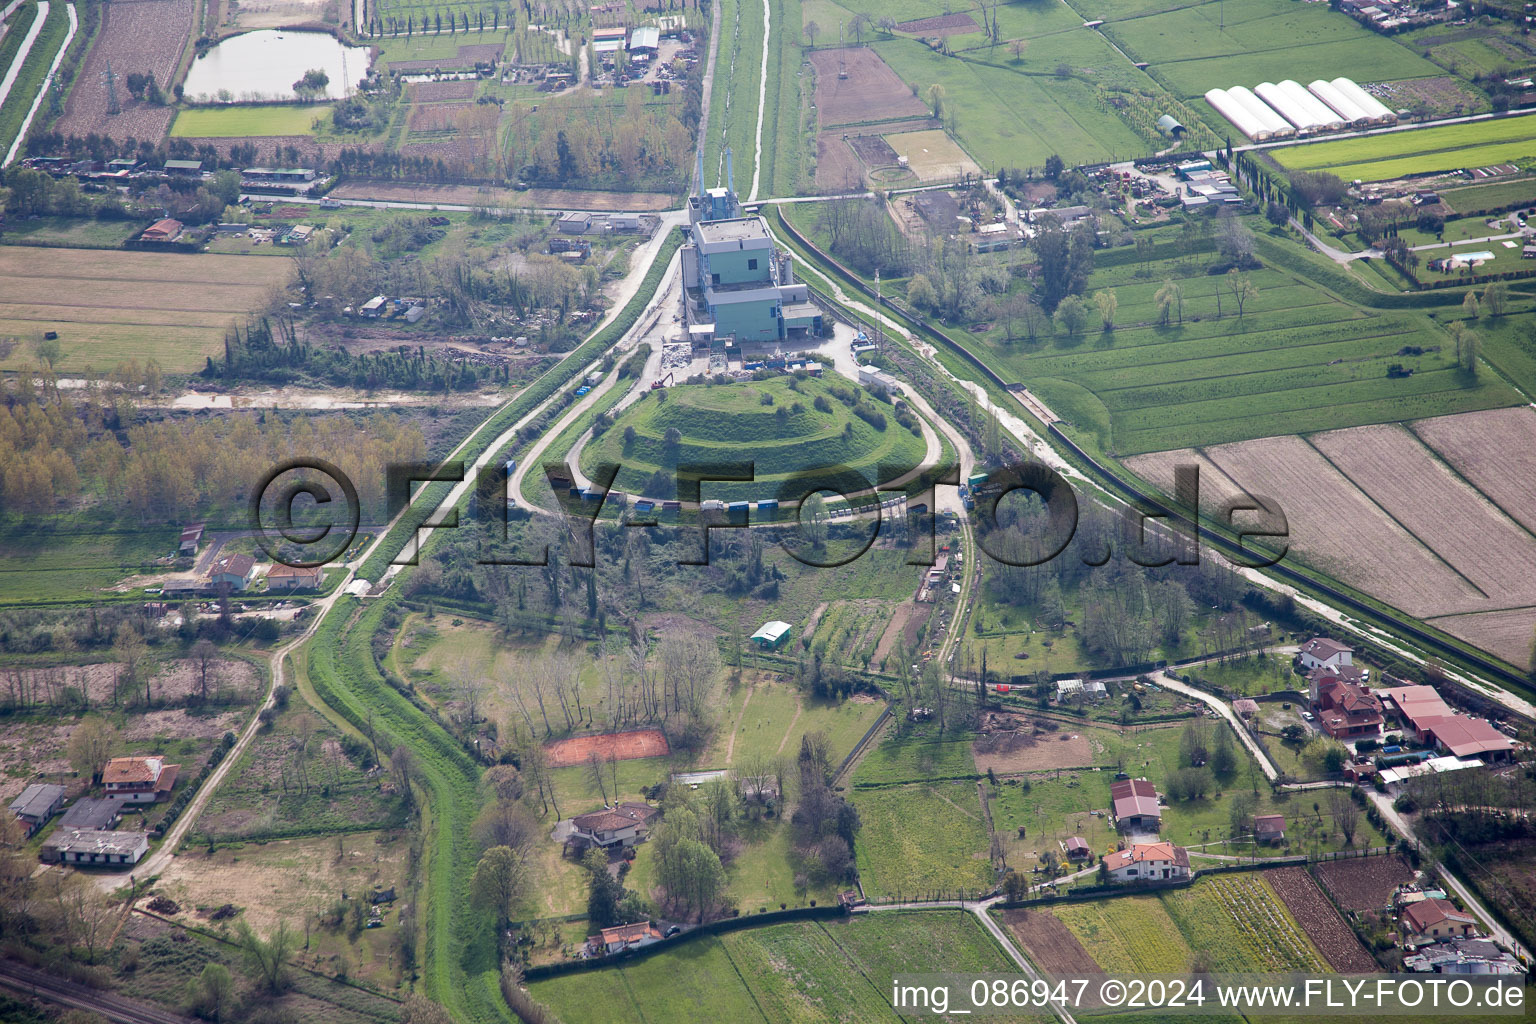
<point>21,978</point>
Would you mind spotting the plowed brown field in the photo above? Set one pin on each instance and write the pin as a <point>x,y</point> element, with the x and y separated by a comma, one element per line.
<point>1504,470</point>
<point>1321,921</point>
<point>1050,944</point>
<point>1364,883</point>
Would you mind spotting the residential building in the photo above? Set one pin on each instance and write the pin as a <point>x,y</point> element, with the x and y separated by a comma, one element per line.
<point>1269,828</point>
<point>139,779</point>
<point>1148,862</point>
<point>621,825</point>
<point>628,936</point>
<point>91,812</point>
<point>374,307</point>
<point>1321,652</point>
<point>233,571</point>
<point>739,288</point>
<point>36,804</point>
<point>294,577</point>
<point>95,846</point>
<point>166,230</point>
<point>1438,918</point>
<point>1345,710</point>
<point>1136,804</point>
<point>772,635</point>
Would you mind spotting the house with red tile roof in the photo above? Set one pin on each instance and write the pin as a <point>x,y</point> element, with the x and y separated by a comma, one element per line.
<point>1345,709</point>
<point>1438,919</point>
<point>1148,862</point>
<point>139,779</point>
<point>621,825</point>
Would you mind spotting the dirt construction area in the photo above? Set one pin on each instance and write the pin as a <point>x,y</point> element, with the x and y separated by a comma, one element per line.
<point>283,880</point>
<point>871,92</point>
<point>618,746</point>
<point>1011,744</point>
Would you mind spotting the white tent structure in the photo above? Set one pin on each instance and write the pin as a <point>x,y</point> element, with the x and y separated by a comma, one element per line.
<point>1378,110</point>
<point>1326,117</point>
<point>1278,126</point>
<point>1342,105</point>
<point>1292,109</point>
<point>1246,122</point>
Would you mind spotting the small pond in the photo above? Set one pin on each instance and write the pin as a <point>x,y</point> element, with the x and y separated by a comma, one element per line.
<point>260,66</point>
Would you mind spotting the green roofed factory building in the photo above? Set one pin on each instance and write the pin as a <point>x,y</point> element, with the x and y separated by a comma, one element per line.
<point>739,288</point>
<point>772,636</point>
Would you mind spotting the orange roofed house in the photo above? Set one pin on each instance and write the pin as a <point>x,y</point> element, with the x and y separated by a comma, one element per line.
<point>1345,708</point>
<point>139,779</point>
<point>625,936</point>
<point>167,230</point>
<point>1148,862</point>
<point>1438,919</point>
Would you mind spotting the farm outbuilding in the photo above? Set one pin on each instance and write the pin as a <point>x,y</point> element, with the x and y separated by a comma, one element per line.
<point>772,636</point>
<point>1170,126</point>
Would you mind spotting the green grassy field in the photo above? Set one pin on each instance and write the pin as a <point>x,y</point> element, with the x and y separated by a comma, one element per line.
<point>733,99</point>
<point>767,718</point>
<point>1486,197</point>
<point>1299,359</point>
<point>1418,150</point>
<point>1005,117</point>
<point>74,557</point>
<point>71,232</point>
<point>922,840</point>
<point>724,424</point>
<point>1193,48</point>
<point>805,972</point>
<point>233,122</point>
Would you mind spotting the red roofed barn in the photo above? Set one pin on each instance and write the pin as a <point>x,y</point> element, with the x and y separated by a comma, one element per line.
<point>1135,804</point>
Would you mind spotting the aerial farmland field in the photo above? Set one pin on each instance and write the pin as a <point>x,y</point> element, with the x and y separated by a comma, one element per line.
<point>110,306</point>
<point>1416,150</point>
<point>244,121</point>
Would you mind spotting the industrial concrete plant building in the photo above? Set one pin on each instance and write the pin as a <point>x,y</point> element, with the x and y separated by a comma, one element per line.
<point>739,288</point>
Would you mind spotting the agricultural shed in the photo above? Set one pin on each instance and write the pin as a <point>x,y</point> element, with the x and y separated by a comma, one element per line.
<point>1345,107</point>
<point>93,846</point>
<point>646,37</point>
<point>183,167</point>
<point>1170,126</point>
<point>1135,803</point>
<point>92,812</point>
<point>165,230</point>
<point>36,804</point>
<point>772,635</point>
<point>1378,110</point>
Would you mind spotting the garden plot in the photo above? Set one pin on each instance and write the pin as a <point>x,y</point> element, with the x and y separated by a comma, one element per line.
<point>1239,923</point>
<point>1050,943</point>
<point>440,92</point>
<point>1321,921</point>
<point>1417,490</point>
<point>942,26</point>
<point>871,92</point>
<point>1129,935</point>
<point>1364,883</point>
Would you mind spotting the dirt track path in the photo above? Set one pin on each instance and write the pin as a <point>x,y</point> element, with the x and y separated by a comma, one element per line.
<point>730,744</point>
<point>790,728</point>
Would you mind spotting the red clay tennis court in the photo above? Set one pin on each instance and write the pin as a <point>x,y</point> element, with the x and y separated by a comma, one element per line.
<point>620,746</point>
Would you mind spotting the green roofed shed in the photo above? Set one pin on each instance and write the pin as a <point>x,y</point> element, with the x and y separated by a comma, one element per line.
<point>772,636</point>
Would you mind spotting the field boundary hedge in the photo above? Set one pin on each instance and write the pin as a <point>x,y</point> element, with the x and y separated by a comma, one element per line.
<point>722,927</point>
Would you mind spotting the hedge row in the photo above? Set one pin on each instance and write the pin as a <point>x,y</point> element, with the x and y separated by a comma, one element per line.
<point>180,803</point>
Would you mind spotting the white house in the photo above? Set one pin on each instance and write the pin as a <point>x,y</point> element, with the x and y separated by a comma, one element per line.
<point>1321,652</point>
<point>1148,862</point>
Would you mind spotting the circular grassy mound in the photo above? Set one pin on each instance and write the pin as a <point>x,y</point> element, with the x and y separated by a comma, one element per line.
<point>731,423</point>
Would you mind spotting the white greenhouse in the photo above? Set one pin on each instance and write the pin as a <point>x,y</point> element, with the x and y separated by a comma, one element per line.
<point>1378,110</point>
<point>1341,104</point>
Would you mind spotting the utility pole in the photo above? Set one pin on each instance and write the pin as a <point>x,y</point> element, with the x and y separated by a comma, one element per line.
<point>113,107</point>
